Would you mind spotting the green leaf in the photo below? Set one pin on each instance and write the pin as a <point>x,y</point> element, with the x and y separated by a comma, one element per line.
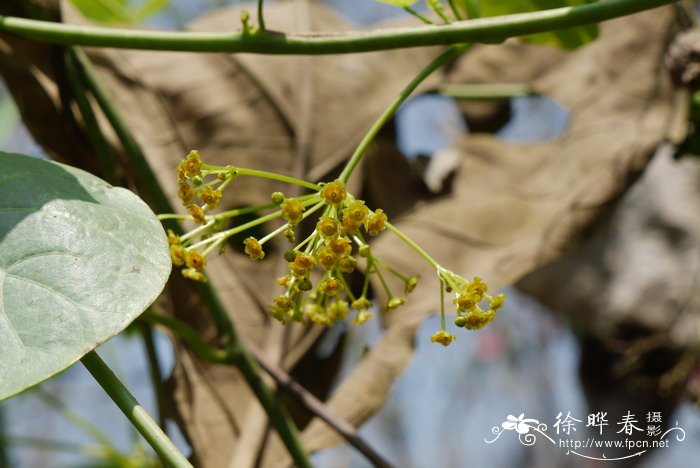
<point>9,117</point>
<point>79,261</point>
<point>398,3</point>
<point>106,11</point>
<point>150,8</point>
<point>570,38</point>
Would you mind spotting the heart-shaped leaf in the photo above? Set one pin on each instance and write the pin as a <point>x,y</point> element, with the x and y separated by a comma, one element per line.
<point>79,260</point>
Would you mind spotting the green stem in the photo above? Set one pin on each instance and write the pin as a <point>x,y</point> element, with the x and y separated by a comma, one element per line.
<point>261,17</point>
<point>418,15</point>
<point>92,128</point>
<point>238,355</point>
<point>494,29</point>
<point>485,91</point>
<point>278,177</point>
<point>442,59</point>
<point>40,444</point>
<point>275,411</point>
<point>413,245</point>
<point>189,335</point>
<point>141,420</point>
<point>155,371</point>
<point>442,306</point>
<point>455,10</point>
<point>145,174</point>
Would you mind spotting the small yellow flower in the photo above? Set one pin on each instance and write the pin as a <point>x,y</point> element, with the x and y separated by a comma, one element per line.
<point>177,255</point>
<point>195,260</point>
<point>193,163</point>
<point>337,310</point>
<point>317,314</point>
<point>347,264</point>
<point>466,302</point>
<point>281,307</point>
<point>194,275</point>
<point>326,258</point>
<point>292,210</point>
<point>354,216</point>
<point>210,196</point>
<point>376,222</point>
<point>285,281</point>
<point>330,287</point>
<point>302,265</point>
<point>185,194</point>
<point>253,248</point>
<point>181,173</point>
<point>395,302</point>
<point>356,212</point>
<point>304,261</point>
<point>328,227</point>
<point>197,213</point>
<point>334,192</point>
<point>362,317</point>
<point>497,302</point>
<point>340,246</point>
<point>361,304</point>
<point>478,320</point>
<point>442,337</point>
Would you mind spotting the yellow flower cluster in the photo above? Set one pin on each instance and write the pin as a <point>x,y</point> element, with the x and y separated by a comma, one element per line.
<point>317,286</point>
<point>469,295</point>
<point>332,246</point>
<point>191,174</point>
<point>190,170</point>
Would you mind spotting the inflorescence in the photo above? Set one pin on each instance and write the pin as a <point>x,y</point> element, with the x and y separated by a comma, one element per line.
<point>316,287</point>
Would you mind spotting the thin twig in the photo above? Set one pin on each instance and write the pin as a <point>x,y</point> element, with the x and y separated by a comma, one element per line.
<point>318,408</point>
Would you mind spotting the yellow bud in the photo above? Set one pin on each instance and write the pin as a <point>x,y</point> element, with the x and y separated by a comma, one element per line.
<point>411,283</point>
<point>177,255</point>
<point>172,238</point>
<point>277,198</point>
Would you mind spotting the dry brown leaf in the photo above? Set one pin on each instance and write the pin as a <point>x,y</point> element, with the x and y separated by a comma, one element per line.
<point>515,207</point>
